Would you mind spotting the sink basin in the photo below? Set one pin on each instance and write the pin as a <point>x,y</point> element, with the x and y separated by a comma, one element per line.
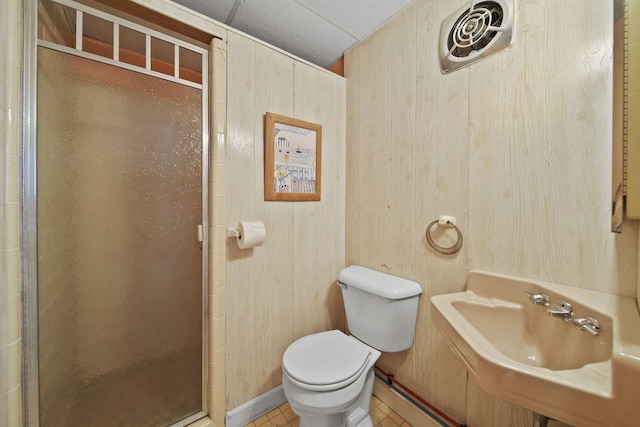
<point>520,334</point>
<point>520,354</point>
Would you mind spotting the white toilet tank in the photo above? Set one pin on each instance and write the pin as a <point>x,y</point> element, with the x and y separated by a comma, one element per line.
<point>381,309</point>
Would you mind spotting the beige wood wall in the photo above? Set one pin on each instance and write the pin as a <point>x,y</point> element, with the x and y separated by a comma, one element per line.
<point>517,147</point>
<point>632,94</point>
<point>286,288</point>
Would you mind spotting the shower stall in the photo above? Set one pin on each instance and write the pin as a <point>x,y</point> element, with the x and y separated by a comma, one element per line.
<point>117,205</point>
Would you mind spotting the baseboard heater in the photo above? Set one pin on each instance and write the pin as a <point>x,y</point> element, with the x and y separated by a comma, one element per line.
<point>260,405</point>
<point>420,403</point>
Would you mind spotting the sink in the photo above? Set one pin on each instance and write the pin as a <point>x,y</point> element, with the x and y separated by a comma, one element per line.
<point>522,335</point>
<point>519,353</point>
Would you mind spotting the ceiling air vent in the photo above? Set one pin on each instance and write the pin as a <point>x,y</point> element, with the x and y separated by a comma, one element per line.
<point>473,32</point>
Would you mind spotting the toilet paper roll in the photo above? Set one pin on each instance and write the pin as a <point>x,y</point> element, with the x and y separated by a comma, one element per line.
<point>252,234</point>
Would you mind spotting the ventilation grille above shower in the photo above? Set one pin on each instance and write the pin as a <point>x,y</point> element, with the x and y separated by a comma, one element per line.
<point>474,32</point>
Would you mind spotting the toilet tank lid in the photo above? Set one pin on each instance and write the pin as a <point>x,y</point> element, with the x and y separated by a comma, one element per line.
<point>378,283</point>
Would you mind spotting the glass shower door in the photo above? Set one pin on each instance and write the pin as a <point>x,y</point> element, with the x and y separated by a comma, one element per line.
<point>120,267</point>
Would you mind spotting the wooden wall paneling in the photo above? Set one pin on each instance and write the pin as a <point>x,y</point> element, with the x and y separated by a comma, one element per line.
<point>539,113</point>
<point>366,217</point>
<point>442,113</point>
<point>375,154</point>
<point>242,199</point>
<point>507,414</point>
<point>479,405</point>
<point>485,410</point>
<point>548,106</point>
<point>355,65</point>
<point>273,297</point>
<point>368,93</point>
<point>622,276</point>
<point>484,187</point>
<point>531,84</point>
<point>404,232</point>
<point>286,287</point>
<point>259,291</point>
<point>632,94</point>
<point>508,146</point>
<point>554,119</point>
<point>485,146</point>
<point>318,228</point>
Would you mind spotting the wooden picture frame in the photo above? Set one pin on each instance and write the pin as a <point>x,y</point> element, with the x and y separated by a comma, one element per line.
<point>292,159</point>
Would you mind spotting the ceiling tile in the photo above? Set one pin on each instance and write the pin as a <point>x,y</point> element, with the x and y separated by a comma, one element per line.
<point>294,28</point>
<point>316,30</point>
<point>216,9</point>
<point>359,17</point>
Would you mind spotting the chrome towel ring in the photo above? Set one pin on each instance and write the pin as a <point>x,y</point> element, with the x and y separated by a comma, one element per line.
<point>446,221</point>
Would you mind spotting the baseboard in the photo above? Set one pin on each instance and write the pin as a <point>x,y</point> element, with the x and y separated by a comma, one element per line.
<point>255,408</point>
<point>403,407</point>
<point>260,405</point>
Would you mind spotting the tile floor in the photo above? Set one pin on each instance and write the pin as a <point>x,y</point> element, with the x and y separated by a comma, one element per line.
<point>283,416</point>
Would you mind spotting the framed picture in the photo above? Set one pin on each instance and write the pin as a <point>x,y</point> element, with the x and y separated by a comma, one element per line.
<point>292,159</point>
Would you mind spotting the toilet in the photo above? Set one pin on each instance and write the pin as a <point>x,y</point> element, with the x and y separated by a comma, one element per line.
<point>328,376</point>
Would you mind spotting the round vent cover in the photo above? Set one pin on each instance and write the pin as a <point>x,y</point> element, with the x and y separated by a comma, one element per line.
<point>476,31</point>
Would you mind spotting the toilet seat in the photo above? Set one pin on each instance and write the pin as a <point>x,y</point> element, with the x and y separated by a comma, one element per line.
<point>326,361</point>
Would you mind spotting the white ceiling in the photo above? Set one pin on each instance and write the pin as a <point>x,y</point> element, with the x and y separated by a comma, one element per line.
<point>316,30</point>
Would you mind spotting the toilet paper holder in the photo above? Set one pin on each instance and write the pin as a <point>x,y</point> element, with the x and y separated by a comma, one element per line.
<point>248,234</point>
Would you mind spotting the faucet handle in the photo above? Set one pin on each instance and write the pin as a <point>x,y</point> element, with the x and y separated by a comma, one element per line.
<point>563,311</point>
<point>539,299</point>
<point>588,323</point>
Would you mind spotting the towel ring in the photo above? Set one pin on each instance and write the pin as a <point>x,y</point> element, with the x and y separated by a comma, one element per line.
<point>444,251</point>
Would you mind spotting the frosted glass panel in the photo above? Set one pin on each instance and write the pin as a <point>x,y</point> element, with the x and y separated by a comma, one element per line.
<point>119,263</point>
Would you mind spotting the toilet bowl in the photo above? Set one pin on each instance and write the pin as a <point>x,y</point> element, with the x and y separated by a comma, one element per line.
<point>328,379</point>
<point>328,376</point>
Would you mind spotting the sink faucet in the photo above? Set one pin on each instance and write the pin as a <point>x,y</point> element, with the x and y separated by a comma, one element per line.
<point>588,323</point>
<point>539,299</point>
<point>563,310</point>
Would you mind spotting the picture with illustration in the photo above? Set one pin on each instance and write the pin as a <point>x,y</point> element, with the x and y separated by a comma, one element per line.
<point>295,159</point>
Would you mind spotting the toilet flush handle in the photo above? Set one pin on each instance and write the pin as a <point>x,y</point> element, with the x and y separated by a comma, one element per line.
<point>342,285</point>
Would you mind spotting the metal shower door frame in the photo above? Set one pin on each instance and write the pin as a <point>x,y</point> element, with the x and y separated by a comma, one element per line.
<point>29,242</point>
